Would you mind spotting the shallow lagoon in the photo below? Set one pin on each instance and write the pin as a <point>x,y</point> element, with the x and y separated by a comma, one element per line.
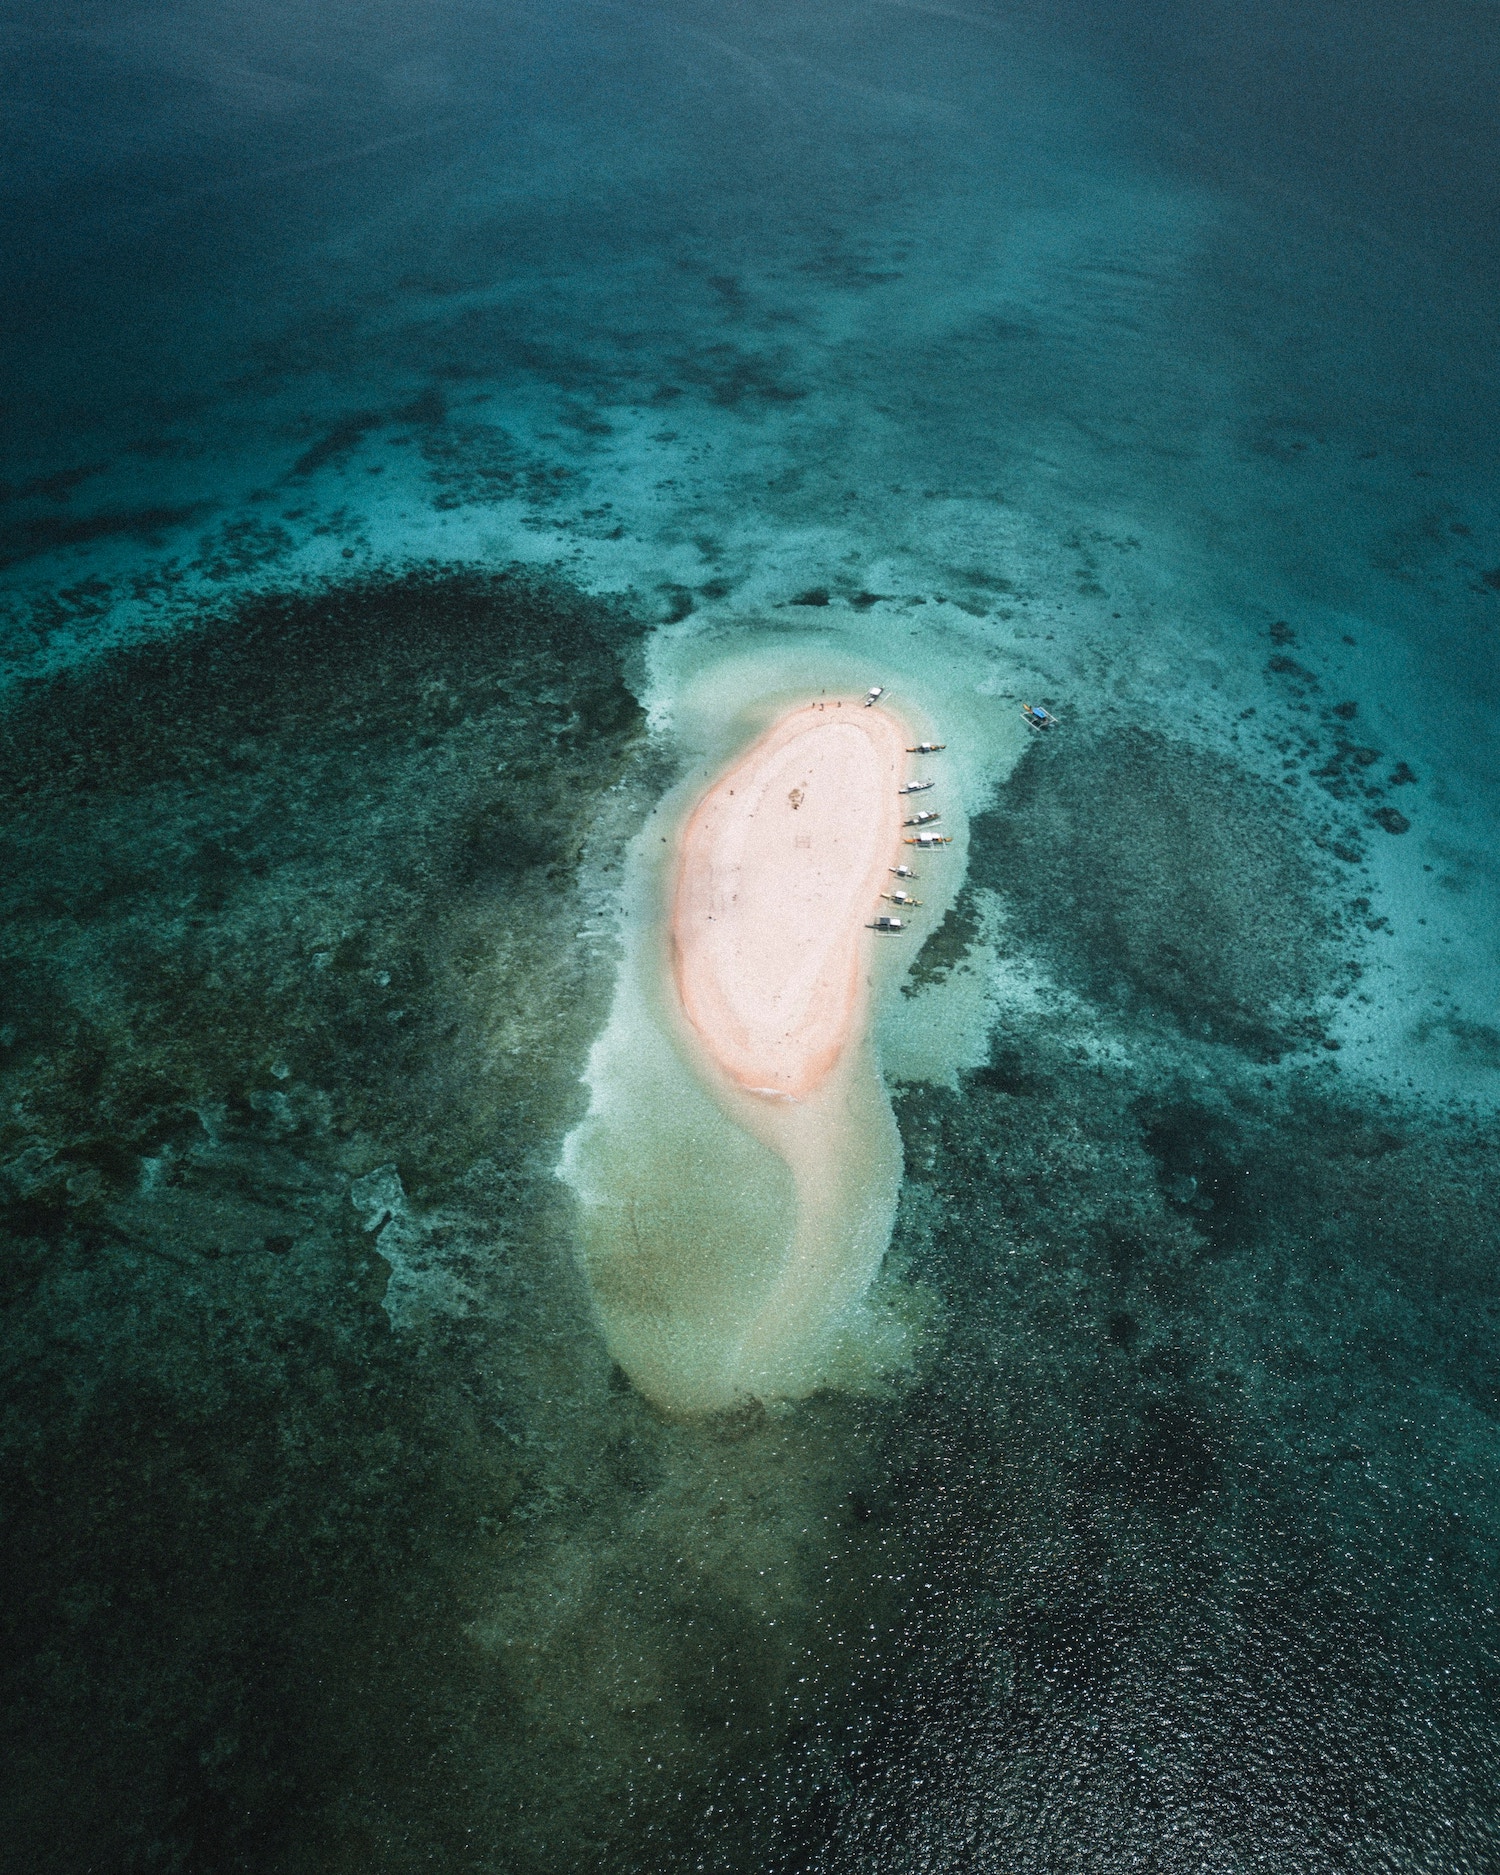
<point>408,411</point>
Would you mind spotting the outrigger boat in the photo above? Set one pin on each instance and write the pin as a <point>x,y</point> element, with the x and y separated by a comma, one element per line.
<point>929,839</point>
<point>926,748</point>
<point>921,820</point>
<point>902,872</point>
<point>1038,717</point>
<point>915,787</point>
<point>874,694</point>
<point>901,898</point>
<point>882,923</point>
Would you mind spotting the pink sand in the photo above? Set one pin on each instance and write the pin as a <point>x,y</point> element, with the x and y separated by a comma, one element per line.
<point>780,867</point>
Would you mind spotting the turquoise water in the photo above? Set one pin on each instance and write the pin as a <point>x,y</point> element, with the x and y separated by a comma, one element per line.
<point>399,403</point>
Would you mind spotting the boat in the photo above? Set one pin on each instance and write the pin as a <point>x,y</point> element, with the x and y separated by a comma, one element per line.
<point>929,839</point>
<point>926,748</point>
<point>874,694</point>
<point>882,923</point>
<point>902,872</point>
<point>901,898</point>
<point>1038,717</point>
<point>921,820</point>
<point>915,787</point>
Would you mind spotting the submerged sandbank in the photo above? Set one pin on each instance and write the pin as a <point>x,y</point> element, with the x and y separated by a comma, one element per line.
<point>739,1165</point>
<point>732,1238</point>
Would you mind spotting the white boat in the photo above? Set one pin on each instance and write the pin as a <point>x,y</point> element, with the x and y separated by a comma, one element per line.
<point>921,820</point>
<point>915,787</point>
<point>902,872</point>
<point>926,840</point>
<point>874,694</point>
<point>882,923</point>
<point>926,748</point>
<point>901,898</point>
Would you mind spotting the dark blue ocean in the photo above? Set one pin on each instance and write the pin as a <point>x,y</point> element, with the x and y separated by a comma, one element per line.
<point>397,400</point>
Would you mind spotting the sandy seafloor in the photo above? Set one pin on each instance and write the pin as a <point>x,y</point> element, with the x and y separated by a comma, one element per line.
<point>394,399</point>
